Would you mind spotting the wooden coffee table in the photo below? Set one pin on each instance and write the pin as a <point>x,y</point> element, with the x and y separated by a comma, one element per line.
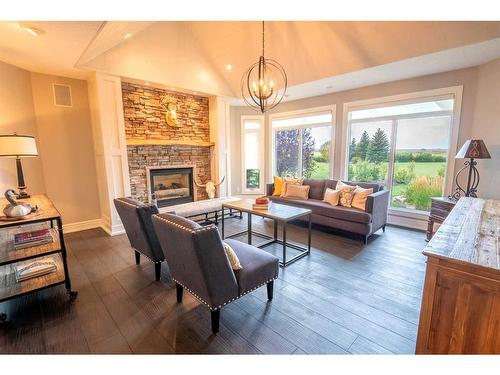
<point>279,213</point>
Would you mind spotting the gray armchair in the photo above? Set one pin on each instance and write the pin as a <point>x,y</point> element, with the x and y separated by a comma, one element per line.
<point>136,219</point>
<point>198,263</point>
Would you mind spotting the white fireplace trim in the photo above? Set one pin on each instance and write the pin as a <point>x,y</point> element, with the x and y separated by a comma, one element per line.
<point>148,178</point>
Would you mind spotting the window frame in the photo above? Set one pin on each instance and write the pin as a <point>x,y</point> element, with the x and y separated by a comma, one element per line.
<point>455,92</point>
<point>295,114</point>
<point>261,131</point>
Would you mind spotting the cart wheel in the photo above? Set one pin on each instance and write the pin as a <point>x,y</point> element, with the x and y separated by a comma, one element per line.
<point>72,295</point>
<point>3,317</point>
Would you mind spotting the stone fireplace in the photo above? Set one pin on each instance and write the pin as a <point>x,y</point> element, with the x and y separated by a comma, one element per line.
<point>170,186</point>
<point>153,145</point>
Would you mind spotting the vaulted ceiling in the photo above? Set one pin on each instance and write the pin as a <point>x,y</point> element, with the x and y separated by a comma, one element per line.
<point>195,55</point>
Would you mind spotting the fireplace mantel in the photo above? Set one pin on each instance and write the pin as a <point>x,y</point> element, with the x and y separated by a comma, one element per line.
<point>167,142</point>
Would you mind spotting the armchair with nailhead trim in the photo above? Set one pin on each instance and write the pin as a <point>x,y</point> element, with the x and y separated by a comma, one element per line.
<point>136,219</point>
<point>198,263</point>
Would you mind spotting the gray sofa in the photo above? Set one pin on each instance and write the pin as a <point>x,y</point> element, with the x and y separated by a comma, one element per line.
<point>352,220</point>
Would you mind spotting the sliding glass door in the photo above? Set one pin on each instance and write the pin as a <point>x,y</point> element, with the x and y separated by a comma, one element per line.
<point>405,147</point>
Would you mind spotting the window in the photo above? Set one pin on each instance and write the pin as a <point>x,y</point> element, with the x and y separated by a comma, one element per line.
<point>405,146</point>
<point>252,154</point>
<point>302,143</point>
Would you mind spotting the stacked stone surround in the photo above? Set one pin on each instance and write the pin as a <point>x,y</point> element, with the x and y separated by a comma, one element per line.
<point>145,119</point>
<point>140,157</point>
<point>145,116</point>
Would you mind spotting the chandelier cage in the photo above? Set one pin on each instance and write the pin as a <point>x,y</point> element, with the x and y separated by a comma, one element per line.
<point>258,84</point>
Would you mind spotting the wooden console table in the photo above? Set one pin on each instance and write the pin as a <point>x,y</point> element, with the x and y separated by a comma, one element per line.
<point>11,257</point>
<point>440,208</point>
<point>460,310</point>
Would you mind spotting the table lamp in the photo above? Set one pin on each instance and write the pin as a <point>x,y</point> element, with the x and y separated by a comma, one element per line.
<point>472,149</point>
<point>18,146</point>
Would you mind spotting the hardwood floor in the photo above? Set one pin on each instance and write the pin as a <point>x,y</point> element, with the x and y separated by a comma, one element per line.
<point>344,298</point>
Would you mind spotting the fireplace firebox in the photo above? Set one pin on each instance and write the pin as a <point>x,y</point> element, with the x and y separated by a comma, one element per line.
<point>170,186</point>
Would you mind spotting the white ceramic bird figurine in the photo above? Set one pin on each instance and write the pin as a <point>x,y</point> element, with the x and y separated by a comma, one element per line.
<point>15,209</point>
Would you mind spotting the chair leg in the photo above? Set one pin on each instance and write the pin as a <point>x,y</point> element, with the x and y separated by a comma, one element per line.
<point>383,229</point>
<point>365,240</point>
<point>137,257</point>
<point>270,286</point>
<point>215,315</point>
<point>179,289</point>
<point>157,271</point>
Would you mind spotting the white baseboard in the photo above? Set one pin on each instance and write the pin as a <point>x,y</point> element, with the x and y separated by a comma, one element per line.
<point>112,230</point>
<point>407,222</point>
<point>82,225</point>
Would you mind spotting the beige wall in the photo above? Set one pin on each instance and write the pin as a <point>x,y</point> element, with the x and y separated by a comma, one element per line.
<point>66,148</point>
<point>17,115</point>
<point>486,126</point>
<point>468,78</point>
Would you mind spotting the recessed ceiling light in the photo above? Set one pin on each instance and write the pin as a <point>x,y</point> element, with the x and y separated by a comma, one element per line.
<point>329,87</point>
<point>229,67</point>
<point>195,92</point>
<point>146,83</point>
<point>33,31</point>
<point>128,35</point>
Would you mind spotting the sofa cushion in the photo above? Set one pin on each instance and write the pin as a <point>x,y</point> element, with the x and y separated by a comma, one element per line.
<point>231,256</point>
<point>365,185</point>
<point>258,266</point>
<point>360,197</point>
<point>332,197</point>
<point>346,193</point>
<point>297,191</point>
<point>317,188</point>
<point>325,209</point>
<point>278,186</point>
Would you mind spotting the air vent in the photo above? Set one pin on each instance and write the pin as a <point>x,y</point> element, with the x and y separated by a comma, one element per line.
<point>62,95</point>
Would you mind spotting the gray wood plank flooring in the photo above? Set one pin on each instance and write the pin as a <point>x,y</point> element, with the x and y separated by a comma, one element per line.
<point>344,298</point>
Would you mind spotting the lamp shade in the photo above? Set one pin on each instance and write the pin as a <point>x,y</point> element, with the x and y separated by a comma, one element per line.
<point>473,149</point>
<point>14,145</point>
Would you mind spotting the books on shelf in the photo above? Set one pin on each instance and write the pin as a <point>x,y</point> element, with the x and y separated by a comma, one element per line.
<point>34,269</point>
<point>33,238</point>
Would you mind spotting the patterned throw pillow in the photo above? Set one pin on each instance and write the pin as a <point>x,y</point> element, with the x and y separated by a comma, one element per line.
<point>232,257</point>
<point>346,193</point>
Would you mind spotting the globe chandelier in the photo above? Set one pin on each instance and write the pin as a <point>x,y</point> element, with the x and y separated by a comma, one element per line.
<point>259,84</point>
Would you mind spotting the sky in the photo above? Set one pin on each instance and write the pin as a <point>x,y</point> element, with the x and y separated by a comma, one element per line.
<point>426,133</point>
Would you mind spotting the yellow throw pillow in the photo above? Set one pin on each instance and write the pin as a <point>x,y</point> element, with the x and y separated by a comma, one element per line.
<point>360,197</point>
<point>290,181</point>
<point>278,186</point>
<point>232,257</point>
<point>332,196</point>
<point>297,191</point>
<point>346,193</point>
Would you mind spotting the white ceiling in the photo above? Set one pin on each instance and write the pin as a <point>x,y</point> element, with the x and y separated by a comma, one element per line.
<point>193,55</point>
<point>54,52</point>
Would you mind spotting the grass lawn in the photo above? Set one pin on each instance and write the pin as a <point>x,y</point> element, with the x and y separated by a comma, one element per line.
<point>322,171</point>
<point>429,169</point>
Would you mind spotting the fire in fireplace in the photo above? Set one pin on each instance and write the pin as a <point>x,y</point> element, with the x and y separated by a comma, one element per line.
<point>170,186</point>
